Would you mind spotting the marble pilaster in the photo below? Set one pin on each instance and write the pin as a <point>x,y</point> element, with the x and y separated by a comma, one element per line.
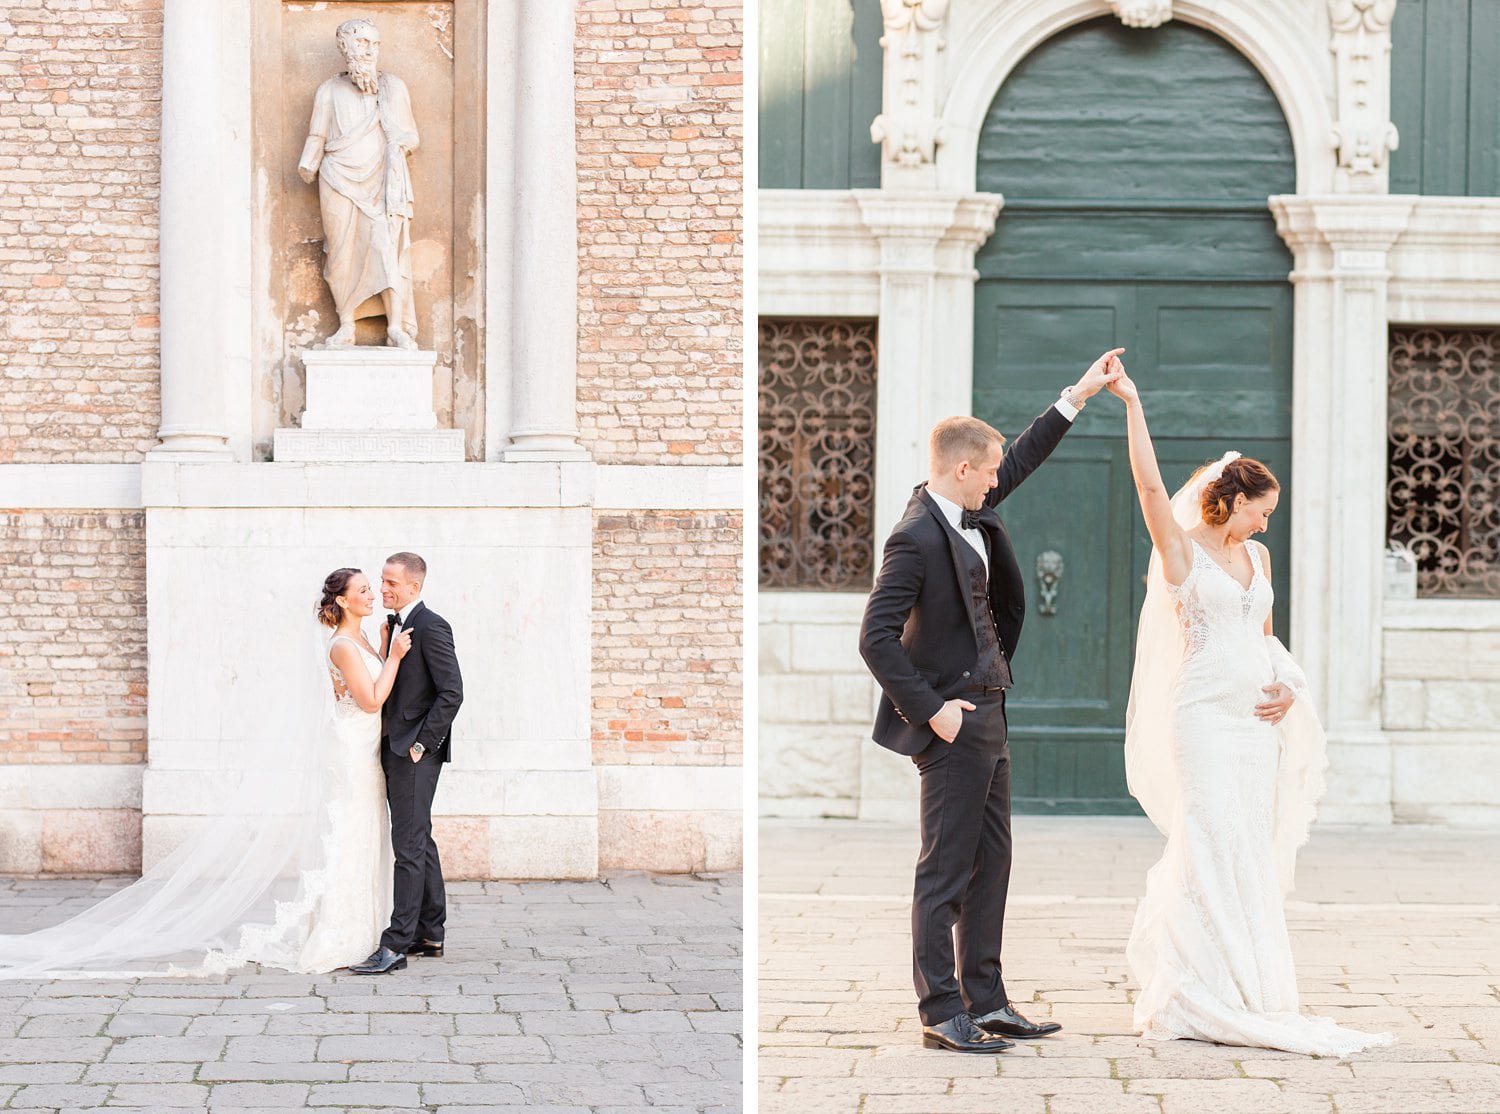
<point>927,245</point>
<point>544,235</point>
<point>197,320</point>
<point>1341,245</point>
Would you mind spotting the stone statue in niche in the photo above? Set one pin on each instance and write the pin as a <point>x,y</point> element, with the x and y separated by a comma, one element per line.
<point>361,131</point>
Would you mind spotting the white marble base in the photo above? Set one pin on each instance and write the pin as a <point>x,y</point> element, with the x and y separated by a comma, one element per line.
<point>519,799</point>
<point>368,404</point>
<point>368,388</point>
<point>403,446</point>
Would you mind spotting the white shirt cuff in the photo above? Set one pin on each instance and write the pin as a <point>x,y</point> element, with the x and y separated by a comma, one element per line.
<point>1066,409</point>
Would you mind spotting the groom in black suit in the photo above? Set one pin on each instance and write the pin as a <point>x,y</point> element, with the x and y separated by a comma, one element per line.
<point>416,727</point>
<point>939,633</point>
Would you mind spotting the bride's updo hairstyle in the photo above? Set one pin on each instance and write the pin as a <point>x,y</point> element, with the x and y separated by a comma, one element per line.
<point>1242,476</point>
<point>329,611</point>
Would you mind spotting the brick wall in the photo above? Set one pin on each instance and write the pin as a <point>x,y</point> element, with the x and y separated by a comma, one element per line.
<point>668,632</point>
<point>73,637</point>
<point>80,100</point>
<point>659,203</point>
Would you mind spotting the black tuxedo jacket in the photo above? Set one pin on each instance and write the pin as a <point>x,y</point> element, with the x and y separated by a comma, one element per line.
<point>918,634</point>
<point>428,688</point>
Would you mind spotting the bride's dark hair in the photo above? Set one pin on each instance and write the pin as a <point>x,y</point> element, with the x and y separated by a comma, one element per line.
<point>329,611</point>
<point>1242,476</point>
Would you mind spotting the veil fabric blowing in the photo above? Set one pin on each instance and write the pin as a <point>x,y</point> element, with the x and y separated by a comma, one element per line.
<point>240,889</point>
<point>1150,770</point>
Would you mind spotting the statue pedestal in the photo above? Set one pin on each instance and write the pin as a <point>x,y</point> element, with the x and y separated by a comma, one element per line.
<point>369,404</point>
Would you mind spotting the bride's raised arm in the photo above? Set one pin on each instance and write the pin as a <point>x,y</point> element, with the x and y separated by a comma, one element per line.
<point>369,695</point>
<point>1171,540</point>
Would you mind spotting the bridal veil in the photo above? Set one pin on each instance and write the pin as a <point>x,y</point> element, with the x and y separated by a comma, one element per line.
<point>240,888</point>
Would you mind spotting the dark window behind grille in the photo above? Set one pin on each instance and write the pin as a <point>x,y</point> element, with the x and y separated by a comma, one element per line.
<point>817,444</point>
<point>1443,498</point>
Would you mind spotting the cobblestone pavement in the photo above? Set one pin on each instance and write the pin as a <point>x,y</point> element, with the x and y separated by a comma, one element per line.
<point>1394,929</point>
<point>603,996</point>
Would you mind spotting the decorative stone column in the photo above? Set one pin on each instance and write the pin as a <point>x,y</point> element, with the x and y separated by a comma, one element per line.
<point>544,268</point>
<point>907,128</point>
<point>194,419</point>
<point>926,360</point>
<point>1339,402</point>
<point>1364,135</point>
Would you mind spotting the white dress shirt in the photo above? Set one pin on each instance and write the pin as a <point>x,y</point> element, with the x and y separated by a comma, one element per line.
<point>405,613</point>
<point>954,514</point>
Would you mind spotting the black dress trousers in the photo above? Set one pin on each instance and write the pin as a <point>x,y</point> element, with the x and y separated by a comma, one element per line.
<point>420,905</point>
<point>964,870</point>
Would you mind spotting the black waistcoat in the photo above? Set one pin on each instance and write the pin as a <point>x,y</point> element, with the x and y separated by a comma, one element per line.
<point>990,667</point>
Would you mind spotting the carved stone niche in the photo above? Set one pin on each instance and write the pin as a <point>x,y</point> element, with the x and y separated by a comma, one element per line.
<point>437,48</point>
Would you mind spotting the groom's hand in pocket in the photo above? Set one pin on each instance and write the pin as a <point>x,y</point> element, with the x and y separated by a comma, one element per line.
<point>949,719</point>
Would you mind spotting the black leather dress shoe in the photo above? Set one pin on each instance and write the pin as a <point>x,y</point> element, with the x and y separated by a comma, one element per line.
<point>961,1034</point>
<point>431,949</point>
<point>1008,1023</point>
<point>382,961</point>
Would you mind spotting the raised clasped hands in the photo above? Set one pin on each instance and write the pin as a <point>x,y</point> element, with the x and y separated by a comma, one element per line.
<point>1278,702</point>
<point>949,719</point>
<point>1101,373</point>
<point>1121,385</point>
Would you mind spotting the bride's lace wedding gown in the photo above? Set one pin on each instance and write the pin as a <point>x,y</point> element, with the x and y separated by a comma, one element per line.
<point>1209,947</point>
<point>352,904</point>
<point>342,903</point>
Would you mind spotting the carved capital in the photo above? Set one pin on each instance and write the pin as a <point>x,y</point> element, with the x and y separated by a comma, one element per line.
<point>1351,15</point>
<point>924,15</point>
<point>907,128</point>
<point>1142,13</point>
<point>1364,136</point>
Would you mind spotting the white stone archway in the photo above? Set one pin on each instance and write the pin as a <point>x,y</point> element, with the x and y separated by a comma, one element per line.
<point>1001,35</point>
<point>1340,226</point>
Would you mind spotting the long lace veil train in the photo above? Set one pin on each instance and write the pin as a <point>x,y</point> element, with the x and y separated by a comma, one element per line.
<point>239,889</point>
<point>1150,771</point>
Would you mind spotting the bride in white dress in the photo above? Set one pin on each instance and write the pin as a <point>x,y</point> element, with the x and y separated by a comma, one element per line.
<point>353,902</point>
<point>295,869</point>
<point>1226,756</point>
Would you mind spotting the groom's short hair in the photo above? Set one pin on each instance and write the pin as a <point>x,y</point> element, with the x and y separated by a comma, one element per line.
<point>415,567</point>
<point>961,438</point>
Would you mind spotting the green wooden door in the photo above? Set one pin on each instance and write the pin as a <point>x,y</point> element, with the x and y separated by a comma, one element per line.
<point>1135,167</point>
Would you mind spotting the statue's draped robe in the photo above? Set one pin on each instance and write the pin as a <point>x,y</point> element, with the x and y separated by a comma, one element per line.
<point>364,189</point>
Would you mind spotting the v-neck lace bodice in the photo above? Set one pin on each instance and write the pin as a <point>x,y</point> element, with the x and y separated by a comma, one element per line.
<point>1215,610</point>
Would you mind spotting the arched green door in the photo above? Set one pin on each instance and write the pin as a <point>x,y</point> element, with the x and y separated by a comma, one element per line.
<point>1135,167</point>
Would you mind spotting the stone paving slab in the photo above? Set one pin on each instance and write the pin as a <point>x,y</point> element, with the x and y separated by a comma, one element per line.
<point>577,997</point>
<point>1394,929</point>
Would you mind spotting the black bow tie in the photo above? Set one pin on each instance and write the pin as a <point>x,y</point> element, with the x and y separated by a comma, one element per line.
<point>970,520</point>
<point>393,619</point>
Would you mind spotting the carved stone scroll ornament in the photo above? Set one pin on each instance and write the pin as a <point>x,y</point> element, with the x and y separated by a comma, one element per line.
<point>1142,13</point>
<point>1364,135</point>
<point>907,129</point>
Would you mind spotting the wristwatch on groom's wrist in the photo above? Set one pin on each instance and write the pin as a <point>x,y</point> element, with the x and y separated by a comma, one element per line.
<point>418,748</point>
<point>1073,398</point>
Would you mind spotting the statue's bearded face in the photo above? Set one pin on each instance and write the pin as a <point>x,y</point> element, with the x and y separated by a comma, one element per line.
<point>361,49</point>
